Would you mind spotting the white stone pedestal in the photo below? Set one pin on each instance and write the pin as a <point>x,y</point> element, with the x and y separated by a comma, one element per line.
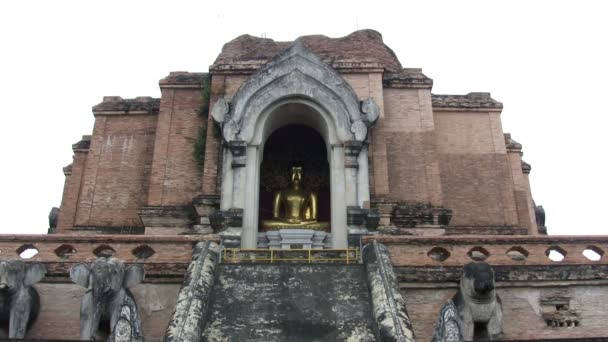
<point>287,238</point>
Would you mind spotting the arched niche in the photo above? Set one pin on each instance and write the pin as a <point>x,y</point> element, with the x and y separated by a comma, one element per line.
<point>295,88</point>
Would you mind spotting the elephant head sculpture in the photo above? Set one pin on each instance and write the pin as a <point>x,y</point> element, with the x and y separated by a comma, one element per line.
<point>107,281</point>
<point>479,307</point>
<point>19,301</point>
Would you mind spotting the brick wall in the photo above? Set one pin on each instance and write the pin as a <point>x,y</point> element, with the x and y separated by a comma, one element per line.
<point>176,178</point>
<point>521,308</point>
<point>60,298</point>
<point>71,189</point>
<point>115,178</point>
<point>476,174</point>
<point>222,85</point>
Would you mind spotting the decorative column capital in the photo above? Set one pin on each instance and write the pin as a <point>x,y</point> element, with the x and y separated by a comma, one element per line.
<point>238,148</point>
<point>351,152</point>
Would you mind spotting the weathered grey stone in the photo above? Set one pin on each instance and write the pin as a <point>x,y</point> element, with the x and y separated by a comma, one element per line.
<point>19,301</point>
<point>296,71</point>
<point>221,220</point>
<point>220,109</point>
<point>167,216</point>
<point>290,302</point>
<point>107,282</point>
<point>371,111</point>
<point>479,307</point>
<point>53,216</point>
<point>388,306</point>
<point>539,213</point>
<point>365,218</point>
<point>191,310</point>
<point>447,328</point>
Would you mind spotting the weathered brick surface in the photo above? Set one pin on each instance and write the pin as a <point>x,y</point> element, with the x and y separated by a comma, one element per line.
<point>167,249</point>
<point>360,47</point>
<point>521,307</point>
<point>59,316</point>
<point>71,190</point>
<point>415,251</point>
<point>476,175</point>
<point>175,177</point>
<point>117,171</point>
<point>447,150</point>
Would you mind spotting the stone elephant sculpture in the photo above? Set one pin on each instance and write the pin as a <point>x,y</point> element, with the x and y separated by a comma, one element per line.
<point>479,307</point>
<point>19,301</point>
<point>107,297</point>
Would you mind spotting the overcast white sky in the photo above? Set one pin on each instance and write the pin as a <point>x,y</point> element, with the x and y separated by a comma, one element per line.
<point>545,60</point>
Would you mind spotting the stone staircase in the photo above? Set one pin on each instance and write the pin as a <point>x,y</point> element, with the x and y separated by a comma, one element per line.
<point>280,302</point>
<point>289,301</point>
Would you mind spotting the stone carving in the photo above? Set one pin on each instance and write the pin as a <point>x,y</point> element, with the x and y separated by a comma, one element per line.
<point>479,307</point>
<point>539,213</point>
<point>371,111</point>
<point>53,217</point>
<point>221,108</point>
<point>357,216</point>
<point>19,301</point>
<point>388,306</point>
<point>108,298</point>
<point>191,312</point>
<point>295,72</point>
<point>221,220</point>
<point>414,214</point>
<point>557,311</point>
<point>447,328</point>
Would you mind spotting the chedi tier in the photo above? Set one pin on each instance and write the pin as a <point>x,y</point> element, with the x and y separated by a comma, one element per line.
<point>313,190</point>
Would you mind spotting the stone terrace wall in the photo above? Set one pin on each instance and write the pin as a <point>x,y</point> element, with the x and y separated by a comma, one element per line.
<point>538,294</point>
<point>164,258</point>
<point>175,176</point>
<point>109,185</point>
<point>476,175</point>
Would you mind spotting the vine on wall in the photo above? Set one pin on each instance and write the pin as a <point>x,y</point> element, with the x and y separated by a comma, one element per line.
<point>203,111</point>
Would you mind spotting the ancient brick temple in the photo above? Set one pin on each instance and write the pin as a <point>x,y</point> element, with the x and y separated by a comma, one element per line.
<point>413,219</point>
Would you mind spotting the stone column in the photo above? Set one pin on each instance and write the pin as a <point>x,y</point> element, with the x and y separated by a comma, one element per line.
<point>363,177</point>
<point>250,205</point>
<point>351,154</point>
<point>338,198</point>
<point>227,178</point>
<point>238,149</point>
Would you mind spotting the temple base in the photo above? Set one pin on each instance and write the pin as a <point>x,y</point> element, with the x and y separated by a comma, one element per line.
<point>294,239</point>
<point>273,225</point>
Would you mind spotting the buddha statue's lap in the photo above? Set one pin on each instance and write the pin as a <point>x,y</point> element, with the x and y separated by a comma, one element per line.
<point>299,207</point>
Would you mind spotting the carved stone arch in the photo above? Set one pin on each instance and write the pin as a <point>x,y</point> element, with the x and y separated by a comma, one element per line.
<point>296,77</point>
<point>296,72</point>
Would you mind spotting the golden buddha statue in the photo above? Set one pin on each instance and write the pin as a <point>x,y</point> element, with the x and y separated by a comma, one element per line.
<point>299,207</point>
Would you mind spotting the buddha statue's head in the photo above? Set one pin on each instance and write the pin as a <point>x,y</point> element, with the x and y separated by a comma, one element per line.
<point>296,175</point>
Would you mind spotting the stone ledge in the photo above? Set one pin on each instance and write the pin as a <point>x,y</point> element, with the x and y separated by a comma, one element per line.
<point>468,102</point>
<point>360,49</point>
<point>183,79</point>
<point>489,239</point>
<point>83,144</point>
<point>504,273</point>
<point>444,251</point>
<point>511,144</point>
<point>116,105</point>
<point>407,78</point>
<point>35,238</point>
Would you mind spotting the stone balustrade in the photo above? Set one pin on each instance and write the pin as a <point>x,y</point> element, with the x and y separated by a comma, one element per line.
<point>495,250</point>
<point>165,258</point>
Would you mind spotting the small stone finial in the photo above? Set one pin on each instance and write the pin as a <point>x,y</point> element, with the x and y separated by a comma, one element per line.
<point>220,109</point>
<point>371,111</point>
